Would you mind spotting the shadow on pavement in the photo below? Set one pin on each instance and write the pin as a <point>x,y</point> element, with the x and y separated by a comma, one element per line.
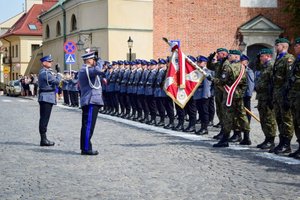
<point>54,151</point>
<point>19,143</point>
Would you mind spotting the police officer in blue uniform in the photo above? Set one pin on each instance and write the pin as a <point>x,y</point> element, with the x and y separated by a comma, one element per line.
<point>91,99</point>
<point>130,92</point>
<point>138,101</point>
<point>149,91</point>
<point>141,91</point>
<point>48,81</point>
<point>159,93</point>
<point>112,87</point>
<point>201,96</point>
<point>123,90</point>
<point>118,87</point>
<point>65,88</point>
<point>73,89</point>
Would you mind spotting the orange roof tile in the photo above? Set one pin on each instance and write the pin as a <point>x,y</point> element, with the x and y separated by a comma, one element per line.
<point>21,27</point>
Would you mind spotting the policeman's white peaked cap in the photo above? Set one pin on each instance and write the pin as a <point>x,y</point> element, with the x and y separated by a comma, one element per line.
<point>89,55</point>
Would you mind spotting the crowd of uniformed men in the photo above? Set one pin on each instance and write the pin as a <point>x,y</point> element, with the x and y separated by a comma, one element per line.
<point>134,90</point>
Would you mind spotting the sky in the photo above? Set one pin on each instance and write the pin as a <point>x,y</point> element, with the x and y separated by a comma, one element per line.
<point>10,8</point>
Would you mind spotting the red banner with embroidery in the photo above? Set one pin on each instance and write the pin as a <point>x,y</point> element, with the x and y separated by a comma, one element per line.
<point>182,78</point>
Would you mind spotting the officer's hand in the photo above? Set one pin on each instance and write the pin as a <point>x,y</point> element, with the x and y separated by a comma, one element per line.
<point>57,68</point>
<point>211,56</point>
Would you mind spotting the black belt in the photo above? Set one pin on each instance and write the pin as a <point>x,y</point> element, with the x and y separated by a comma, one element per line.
<point>46,90</point>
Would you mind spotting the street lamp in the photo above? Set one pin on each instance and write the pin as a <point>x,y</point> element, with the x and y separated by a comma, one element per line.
<point>242,46</point>
<point>87,37</point>
<point>80,45</point>
<point>130,44</point>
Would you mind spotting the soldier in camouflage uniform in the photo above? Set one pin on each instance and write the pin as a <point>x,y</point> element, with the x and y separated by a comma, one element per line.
<point>265,104</point>
<point>282,64</point>
<point>217,67</point>
<point>234,114</point>
<point>294,95</point>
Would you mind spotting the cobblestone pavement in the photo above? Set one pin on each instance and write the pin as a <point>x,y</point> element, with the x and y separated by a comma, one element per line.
<point>135,162</point>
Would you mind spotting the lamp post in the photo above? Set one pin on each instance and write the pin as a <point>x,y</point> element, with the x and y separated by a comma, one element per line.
<point>130,44</point>
<point>80,45</point>
<point>242,46</point>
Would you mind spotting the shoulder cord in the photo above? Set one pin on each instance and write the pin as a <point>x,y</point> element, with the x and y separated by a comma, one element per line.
<point>90,82</point>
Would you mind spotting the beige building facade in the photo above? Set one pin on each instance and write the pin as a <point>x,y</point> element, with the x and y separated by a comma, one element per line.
<point>103,25</point>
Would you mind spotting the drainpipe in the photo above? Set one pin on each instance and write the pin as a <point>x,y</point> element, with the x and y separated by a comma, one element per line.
<point>64,30</point>
<point>10,60</point>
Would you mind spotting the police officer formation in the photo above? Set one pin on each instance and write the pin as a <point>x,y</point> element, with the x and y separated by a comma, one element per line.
<point>133,90</point>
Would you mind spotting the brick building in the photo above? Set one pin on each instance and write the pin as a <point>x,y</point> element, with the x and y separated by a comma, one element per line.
<point>204,25</point>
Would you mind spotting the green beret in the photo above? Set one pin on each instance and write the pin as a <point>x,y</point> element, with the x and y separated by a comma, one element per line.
<point>222,49</point>
<point>266,51</point>
<point>235,52</point>
<point>282,40</point>
<point>297,40</point>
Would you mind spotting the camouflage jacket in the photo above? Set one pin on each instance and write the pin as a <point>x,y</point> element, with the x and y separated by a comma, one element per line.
<point>263,81</point>
<point>230,73</point>
<point>280,74</point>
<point>294,79</point>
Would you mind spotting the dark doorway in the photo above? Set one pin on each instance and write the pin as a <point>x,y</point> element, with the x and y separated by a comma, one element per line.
<point>252,52</point>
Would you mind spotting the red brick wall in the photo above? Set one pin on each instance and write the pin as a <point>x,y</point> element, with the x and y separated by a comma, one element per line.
<point>205,25</point>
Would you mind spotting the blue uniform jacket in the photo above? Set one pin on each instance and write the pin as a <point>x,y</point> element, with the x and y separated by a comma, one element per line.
<point>130,82</point>
<point>250,82</point>
<point>48,81</point>
<point>90,95</point>
<point>150,82</point>
<point>65,85</point>
<point>204,89</point>
<point>119,78</point>
<point>158,91</point>
<point>142,82</point>
<point>73,85</point>
<point>125,80</point>
<point>112,81</point>
<point>137,77</point>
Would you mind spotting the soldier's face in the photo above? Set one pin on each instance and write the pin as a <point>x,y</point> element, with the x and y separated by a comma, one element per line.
<point>297,49</point>
<point>279,47</point>
<point>221,54</point>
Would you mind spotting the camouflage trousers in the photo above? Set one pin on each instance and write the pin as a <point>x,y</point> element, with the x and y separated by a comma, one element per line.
<point>284,118</point>
<point>234,117</point>
<point>267,119</point>
<point>295,109</point>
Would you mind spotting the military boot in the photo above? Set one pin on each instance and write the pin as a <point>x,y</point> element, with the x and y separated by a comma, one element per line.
<point>170,125</point>
<point>296,154</point>
<point>179,126</point>
<point>223,142</point>
<point>219,135</point>
<point>246,140</point>
<point>236,137</point>
<point>284,148</point>
<point>152,121</point>
<point>267,144</point>
<point>45,141</point>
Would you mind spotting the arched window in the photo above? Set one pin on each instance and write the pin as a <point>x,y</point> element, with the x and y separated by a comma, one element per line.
<point>73,23</point>
<point>47,31</point>
<point>58,29</point>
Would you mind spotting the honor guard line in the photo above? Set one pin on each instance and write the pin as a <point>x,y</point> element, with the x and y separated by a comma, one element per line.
<point>205,74</point>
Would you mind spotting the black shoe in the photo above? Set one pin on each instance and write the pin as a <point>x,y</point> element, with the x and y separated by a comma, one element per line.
<point>236,137</point>
<point>179,127</point>
<point>246,140</point>
<point>267,144</point>
<point>202,132</point>
<point>160,123</point>
<point>190,129</point>
<point>46,143</point>
<point>218,125</point>
<point>152,122</point>
<point>218,136</point>
<point>222,143</point>
<point>283,147</point>
<point>120,114</point>
<point>169,126</point>
<point>90,153</point>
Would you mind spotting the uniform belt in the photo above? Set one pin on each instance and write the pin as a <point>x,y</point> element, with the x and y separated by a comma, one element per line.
<point>53,90</point>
